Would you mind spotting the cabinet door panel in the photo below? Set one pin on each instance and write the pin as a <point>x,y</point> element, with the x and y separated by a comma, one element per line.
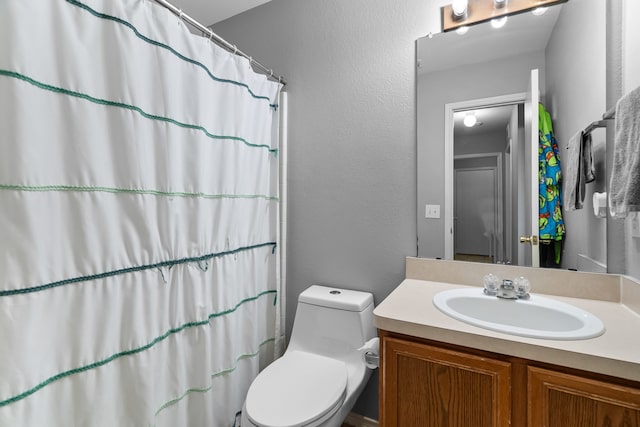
<point>426,386</point>
<point>564,400</point>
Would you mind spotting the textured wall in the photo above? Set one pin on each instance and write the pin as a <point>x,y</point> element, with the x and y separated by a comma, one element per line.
<point>352,185</point>
<point>630,81</point>
<point>572,67</point>
<point>350,72</point>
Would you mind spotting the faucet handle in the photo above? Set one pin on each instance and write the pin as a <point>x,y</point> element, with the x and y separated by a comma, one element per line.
<point>491,282</point>
<point>522,287</point>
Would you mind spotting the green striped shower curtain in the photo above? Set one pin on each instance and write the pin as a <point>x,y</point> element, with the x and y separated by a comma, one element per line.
<point>138,219</point>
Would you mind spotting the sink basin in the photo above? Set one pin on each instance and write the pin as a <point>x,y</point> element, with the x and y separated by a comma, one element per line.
<point>537,317</point>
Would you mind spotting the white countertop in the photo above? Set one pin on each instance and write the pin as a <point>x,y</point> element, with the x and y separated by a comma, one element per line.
<point>409,310</point>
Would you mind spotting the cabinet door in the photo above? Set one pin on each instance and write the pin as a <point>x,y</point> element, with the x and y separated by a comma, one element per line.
<point>425,386</point>
<point>563,400</point>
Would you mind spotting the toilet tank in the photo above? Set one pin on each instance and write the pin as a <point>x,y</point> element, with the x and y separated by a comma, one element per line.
<point>331,321</point>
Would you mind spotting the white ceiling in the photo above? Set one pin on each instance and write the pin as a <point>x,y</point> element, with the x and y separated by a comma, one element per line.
<point>209,12</point>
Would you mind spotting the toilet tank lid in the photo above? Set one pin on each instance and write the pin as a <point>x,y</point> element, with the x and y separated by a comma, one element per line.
<point>342,299</point>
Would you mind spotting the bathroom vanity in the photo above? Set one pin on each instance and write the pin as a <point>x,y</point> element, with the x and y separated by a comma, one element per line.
<point>439,371</point>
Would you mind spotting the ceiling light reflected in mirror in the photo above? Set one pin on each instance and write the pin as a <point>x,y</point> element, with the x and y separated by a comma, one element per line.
<point>539,10</point>
<point>499,22</point>
<point>470,120</point>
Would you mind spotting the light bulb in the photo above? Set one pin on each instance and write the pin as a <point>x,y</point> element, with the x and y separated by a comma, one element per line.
<point>539,10</point>
<point>498,4</point>
<point>462,30</point>
<point>499,22</point>
<point>470,120</point>
<point>459,8</point>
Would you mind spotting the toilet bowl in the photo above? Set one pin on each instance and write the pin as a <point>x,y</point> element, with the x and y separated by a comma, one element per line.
<point>321,374</point>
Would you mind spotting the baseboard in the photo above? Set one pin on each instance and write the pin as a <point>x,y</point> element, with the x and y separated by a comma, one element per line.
<point>357,420</point>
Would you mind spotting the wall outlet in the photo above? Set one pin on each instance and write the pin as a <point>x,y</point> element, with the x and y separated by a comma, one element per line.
<point>432,211</point>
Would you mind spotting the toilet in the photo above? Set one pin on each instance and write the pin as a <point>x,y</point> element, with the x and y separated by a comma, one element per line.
<point>322,372</point>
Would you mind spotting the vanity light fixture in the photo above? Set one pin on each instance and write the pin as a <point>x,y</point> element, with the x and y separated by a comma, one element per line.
<point>462,13</point>
<point>499,4</point>
<point>459,9</point>
<point>499,22</point>
<point>539,10</point>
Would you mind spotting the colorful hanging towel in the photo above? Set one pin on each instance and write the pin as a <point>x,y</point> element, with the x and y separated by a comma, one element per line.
<point>552,228</point>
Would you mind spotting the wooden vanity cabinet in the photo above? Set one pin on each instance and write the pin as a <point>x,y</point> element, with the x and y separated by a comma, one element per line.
<point>427,386</point>
<point>431,384</point>
<point>557,399</point>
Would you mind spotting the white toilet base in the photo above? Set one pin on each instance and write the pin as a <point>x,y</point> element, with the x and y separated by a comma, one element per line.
<point>335,421</point>
<point>329,324</point>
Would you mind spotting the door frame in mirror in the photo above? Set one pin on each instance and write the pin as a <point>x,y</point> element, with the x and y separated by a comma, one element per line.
<point>449,110</point>
<point>498,198</point>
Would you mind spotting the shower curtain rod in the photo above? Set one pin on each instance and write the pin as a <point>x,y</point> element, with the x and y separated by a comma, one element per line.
<point>218,40</point>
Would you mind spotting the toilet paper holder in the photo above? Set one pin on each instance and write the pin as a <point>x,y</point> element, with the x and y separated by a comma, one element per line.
<point>370,353</point>
<point>372,358</point>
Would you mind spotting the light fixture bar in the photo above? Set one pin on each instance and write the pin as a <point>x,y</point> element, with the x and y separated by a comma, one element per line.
<point>484,10</point>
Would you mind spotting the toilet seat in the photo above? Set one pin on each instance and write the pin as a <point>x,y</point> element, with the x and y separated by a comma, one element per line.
<point>297,390</point>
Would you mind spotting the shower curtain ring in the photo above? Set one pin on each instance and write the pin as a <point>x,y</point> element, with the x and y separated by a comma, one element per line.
<point>270,73</point>
<point>235,49</point>
<point>180,16</point>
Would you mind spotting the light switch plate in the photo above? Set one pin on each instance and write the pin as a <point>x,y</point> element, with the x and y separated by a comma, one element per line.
<point>432,211</point>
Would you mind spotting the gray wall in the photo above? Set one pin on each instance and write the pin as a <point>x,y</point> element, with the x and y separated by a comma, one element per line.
<point>631,80</point>
<point>492,141</point>
<point>572,67</point>
<point>352,187</point>
<point>500,77</point>
<point>350,71</point>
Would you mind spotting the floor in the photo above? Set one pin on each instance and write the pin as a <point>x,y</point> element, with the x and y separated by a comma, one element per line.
<point>472,258</point>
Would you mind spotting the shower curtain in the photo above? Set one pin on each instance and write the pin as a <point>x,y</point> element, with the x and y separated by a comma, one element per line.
<point>139,278</point>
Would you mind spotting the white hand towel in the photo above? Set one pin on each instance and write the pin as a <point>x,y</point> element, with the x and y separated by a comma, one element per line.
<point>625,176</point>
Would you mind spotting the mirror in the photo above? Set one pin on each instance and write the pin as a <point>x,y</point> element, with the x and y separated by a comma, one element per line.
<point>488,72</point>
<point>485,183</point>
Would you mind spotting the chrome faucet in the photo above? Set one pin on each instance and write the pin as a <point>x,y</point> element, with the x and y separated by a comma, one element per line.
<point>509,289</point>
<point>506,290</point>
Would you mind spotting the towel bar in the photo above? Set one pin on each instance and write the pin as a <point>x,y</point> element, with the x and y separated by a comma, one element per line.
<point>609,115</point>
